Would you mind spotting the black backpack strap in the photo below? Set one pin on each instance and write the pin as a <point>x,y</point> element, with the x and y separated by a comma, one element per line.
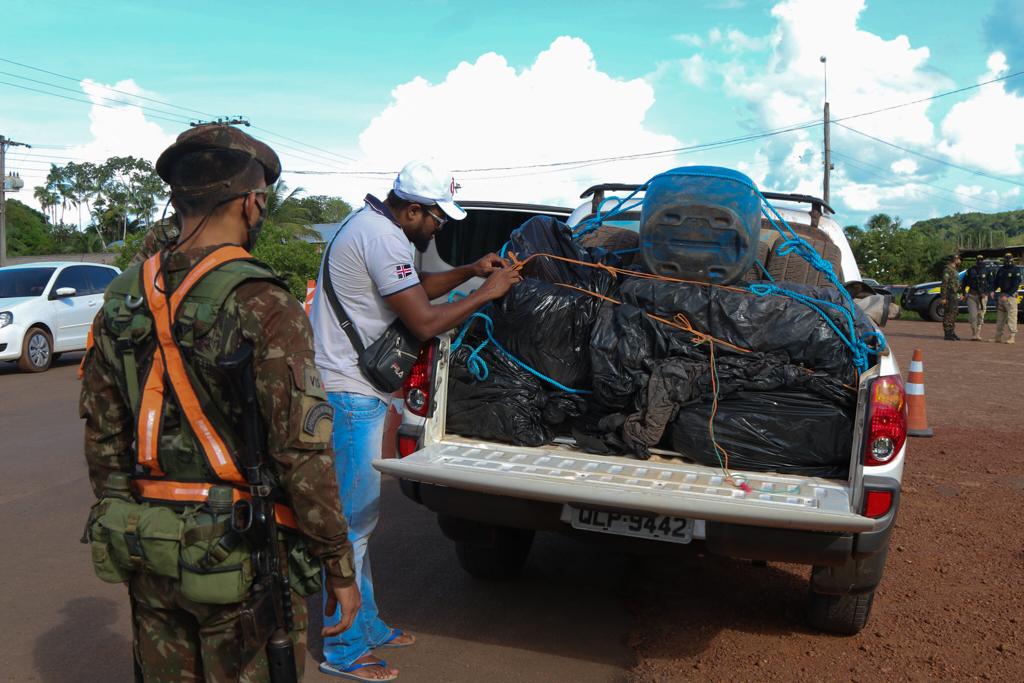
<point>343,320</point>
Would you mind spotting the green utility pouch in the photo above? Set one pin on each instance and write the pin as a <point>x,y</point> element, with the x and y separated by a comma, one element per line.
<point>129,537</point>
<point>304,570</point>
<point>98,538</point>
<point>216,562</point>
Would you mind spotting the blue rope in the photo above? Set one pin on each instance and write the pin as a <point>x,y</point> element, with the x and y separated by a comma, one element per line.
<point>477,366</point>
<point>792,242</point>
<point>764,270</point>
<point>594,222</point>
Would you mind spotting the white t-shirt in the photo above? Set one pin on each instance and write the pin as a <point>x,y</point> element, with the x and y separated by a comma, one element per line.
<point>370,258</point>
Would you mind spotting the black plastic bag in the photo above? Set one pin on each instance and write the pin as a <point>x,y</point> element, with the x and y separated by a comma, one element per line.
<point>789,432</point>
<point>505,406</point>
<point>546,235</point>
<point>759,323</point>
<point>548,327</point>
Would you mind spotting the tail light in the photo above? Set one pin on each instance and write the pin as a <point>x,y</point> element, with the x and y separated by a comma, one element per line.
<point>877,503</point>
<point>887,420</point>
<point>420,382</point>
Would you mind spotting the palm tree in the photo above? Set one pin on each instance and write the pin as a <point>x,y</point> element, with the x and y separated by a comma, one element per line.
<point>48,201</point>
<point>283,211</point>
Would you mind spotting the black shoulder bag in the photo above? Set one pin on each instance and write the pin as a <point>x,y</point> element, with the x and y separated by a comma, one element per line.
<point>387,361</point>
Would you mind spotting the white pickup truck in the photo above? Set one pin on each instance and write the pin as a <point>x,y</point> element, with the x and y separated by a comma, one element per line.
<point>491,498</point>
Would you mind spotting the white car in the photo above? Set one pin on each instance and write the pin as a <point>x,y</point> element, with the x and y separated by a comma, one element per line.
<point>47,308</point>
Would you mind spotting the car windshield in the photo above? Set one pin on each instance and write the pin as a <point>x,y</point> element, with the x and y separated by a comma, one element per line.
<point>18,282</point>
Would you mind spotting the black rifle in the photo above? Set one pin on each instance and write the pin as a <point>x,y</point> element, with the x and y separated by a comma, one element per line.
<point>255,519</point>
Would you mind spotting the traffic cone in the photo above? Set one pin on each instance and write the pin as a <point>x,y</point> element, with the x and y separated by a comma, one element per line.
<point>917,418</point>
<point>310,293</point>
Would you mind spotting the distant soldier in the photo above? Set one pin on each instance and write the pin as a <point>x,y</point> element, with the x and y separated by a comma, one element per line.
<point>207,436</point>
<point>978,283</point>
<point>1007,282</point>
<point>950,297</point>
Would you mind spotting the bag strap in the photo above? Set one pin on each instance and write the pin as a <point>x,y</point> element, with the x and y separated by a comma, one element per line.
<point>339,312</point>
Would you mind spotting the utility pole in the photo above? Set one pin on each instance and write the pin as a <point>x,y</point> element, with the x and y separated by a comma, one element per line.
<point>4,144</point>
<point>828,156</point>
<point>828,146</point>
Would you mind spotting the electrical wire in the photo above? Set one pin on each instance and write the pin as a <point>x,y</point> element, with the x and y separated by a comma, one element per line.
<point>966,169</point>
<point>865,167</point>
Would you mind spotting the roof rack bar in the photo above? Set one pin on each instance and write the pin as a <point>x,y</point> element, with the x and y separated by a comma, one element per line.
<point>597,193</point>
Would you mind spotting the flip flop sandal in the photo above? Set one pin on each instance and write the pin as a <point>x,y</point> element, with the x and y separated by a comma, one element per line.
<point>395,634</point>
<point>349,673</point>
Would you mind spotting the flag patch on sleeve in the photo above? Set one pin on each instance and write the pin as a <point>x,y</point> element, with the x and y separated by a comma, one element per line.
<point>403,271</point>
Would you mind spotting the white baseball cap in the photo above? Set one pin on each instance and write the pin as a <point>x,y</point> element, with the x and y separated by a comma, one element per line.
<point>424,183</point>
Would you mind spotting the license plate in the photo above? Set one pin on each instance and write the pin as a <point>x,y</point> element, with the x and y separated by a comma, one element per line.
<point>655,527</point>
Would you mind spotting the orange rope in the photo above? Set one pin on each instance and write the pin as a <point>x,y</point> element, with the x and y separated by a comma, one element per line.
<point>611,270</point>
<point>681,323</point>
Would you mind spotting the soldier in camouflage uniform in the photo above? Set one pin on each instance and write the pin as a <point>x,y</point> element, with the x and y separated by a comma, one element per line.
<point>950,297</point>
<point>160,235</point>
<point>218,176</point>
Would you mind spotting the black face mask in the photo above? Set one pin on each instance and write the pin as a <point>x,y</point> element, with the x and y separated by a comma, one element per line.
<point>253,231</point>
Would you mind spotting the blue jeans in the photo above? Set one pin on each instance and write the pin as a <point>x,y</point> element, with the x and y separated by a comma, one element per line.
<point>358,431</point>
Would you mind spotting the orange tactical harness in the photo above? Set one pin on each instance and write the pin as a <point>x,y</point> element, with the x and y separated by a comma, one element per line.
<point>169,364</point>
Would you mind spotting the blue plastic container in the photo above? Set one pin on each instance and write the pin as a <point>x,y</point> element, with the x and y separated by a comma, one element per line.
<point>700,223</point>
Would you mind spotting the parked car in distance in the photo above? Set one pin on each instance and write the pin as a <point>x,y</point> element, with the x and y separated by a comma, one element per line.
<point>47,308</point>
<point>925,298</point>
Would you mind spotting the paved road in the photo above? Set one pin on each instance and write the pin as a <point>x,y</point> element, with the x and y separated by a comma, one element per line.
<point>566,620</point>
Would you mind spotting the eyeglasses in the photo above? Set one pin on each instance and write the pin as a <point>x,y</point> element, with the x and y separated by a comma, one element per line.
<point>437,219</point>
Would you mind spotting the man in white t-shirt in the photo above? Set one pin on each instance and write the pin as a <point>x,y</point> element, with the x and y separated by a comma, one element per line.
<point>372,268</point>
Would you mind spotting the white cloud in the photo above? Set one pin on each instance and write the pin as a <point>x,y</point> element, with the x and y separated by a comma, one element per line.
<point>486,113</point>
<point>985,130</point>
<point>691,39</point>
<point>904,166</point>
<point>695,70</point>
<point>866,72</point>
<point>120,128</point>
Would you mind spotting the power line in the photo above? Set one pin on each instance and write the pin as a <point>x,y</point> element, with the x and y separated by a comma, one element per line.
<point>859,162</point>
<point>107,87</point>
<point>75,90</point>
<point>929,99</point>
<point>158,101</point>
<point>972,171</point>
<point>78,99</point>
<point>915,185</point>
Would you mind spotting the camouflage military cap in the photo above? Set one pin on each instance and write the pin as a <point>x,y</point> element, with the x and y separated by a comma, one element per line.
<point>212,141</point>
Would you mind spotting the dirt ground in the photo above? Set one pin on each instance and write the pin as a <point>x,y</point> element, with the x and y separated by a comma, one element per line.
<point>950,606</point>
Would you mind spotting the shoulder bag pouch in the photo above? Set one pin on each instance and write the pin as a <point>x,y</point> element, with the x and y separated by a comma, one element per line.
<point>387,361</point>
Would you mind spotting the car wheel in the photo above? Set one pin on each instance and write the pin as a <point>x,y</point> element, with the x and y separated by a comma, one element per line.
<point>843,615</point>
<point>501,559</point>
<point>936,310</point>
<point>36,351</point>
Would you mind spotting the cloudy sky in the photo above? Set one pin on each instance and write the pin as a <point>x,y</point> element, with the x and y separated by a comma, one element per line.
<point>508,93</point>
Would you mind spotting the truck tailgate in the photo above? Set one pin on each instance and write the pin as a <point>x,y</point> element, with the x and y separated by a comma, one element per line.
<point>678,489</point>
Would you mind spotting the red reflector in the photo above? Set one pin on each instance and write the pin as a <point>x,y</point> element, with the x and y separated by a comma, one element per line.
<point>407,445</point>
<point>877,504</point>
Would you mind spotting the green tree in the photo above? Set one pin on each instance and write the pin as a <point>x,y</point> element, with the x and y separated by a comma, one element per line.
<point>323,209</point>
<point>27,231</point>
<point>295,260</point>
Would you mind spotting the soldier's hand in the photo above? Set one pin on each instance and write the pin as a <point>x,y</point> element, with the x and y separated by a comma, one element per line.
<point>349,599</point>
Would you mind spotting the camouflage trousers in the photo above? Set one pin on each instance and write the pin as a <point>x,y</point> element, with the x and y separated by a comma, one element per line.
<point>179,640</point>
<point>949,314</point>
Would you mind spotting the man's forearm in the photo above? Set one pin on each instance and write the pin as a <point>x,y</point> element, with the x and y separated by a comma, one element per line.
<point>439,284</point>
<point>440,318</point>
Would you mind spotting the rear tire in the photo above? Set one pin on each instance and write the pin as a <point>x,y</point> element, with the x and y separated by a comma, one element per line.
<point>936,310</point>
<point>36,351</point>
<point>843,615</point>
<point>501,560</point>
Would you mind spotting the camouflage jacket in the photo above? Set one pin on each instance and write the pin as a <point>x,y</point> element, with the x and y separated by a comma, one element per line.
<point>950,282</point>
<point>289,392</point>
